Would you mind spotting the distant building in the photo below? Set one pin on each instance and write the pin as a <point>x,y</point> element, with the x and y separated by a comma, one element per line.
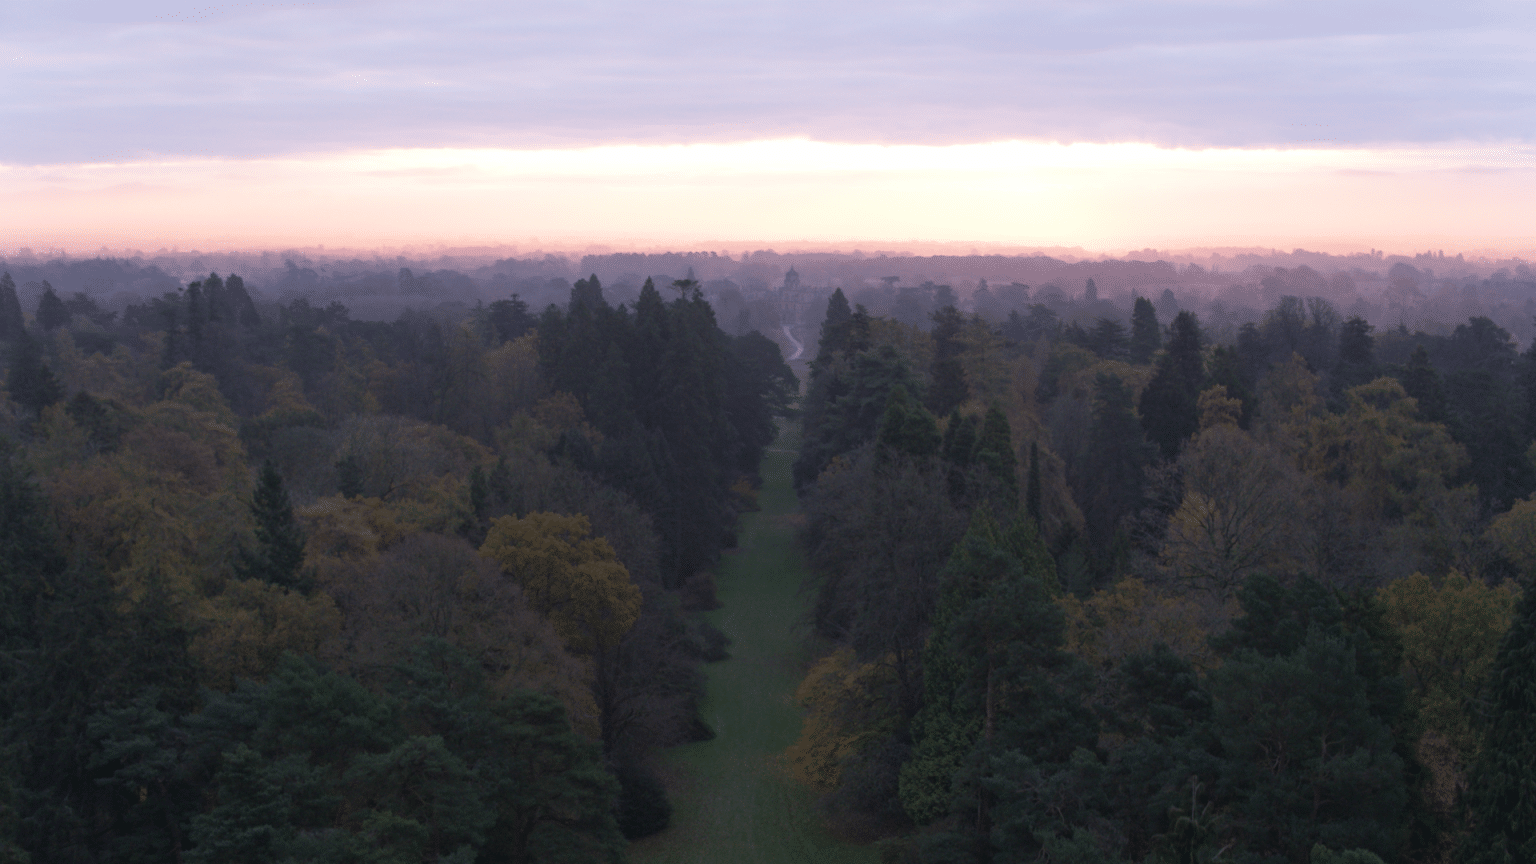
<point>797,303</point>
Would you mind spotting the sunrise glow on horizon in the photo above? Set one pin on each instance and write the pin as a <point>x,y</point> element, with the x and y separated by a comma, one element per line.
<point>1099,196</point>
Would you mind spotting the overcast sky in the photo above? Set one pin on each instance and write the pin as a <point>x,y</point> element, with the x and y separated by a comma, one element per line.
<point>135,83</point>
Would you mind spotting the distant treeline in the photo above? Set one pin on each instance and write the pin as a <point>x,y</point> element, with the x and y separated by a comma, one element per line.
<point>277,584</point>
<point>1420,292</point>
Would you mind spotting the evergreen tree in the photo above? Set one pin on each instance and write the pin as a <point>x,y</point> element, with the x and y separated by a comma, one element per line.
<point>1502,786</point>
<point>1108,340</point>
<point>1227,371</point>
<point>845,403</point>
<point>29,558</point>
<point>947,387</point>
<point>589,293</point>
<point>1120,453</point>
<point>1306,677</point>
<point>907,427</point>
<point>510,319</point>
<point>1357,347</point>
<point>1422,382</point>
<point>12,322</point>
<point>832,332</point>
<point>1032,486</point>
<point>242,309</point>
<point>51,314</point>
<point>1170,403</point>
<point>959,450</point>
<point>959,444</point>
<point>1146,333</point>
<point>28,379</point>
<point>994,451</point>
<point>279,556</point>
<point>958,695</point>
<point>1005,686</point>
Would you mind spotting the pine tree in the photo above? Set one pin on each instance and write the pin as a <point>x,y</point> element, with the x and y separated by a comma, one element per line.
<point>1423,383</point>
<point>947,387</point>
<point>51,313</point>
<point>994,450</point>
<point>1146,333</point>
<point>838,313</point>
<point>1170,404</point>
<point>12,322</point>
<point>28,378</point>
<point>1120,453</point>
<point>279,556</point>
<point>1108,340</point>
<point>1032,486</point>
<point>907,427</point>
<point>28,555</point>
<point>1503,779</point>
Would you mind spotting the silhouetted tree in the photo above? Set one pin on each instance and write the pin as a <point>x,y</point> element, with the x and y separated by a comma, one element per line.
<point>1146,333</point>
<point>28,379</point>
<point>279,556</point>
<point>947,387</point>
<point>12,323</point>
<point>1170,403</point>
<point>51,314</point>
<point>1502,787</point>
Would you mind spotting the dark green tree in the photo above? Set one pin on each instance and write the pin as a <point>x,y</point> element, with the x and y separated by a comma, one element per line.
<point>956,705</point>
<point>1032,485</point>
<point>29,557</point>
<point>510,319</point>
<point>1307,678</point>
<point>947,388</point>
<point>102,422</point>
<point>1227,371</point>
<point>1170,403</point>
<point>1019,698</point>
<point>994,451</point>
<point>959,450</point>
<point>1146,333</point>
<point>1119,455</point>
<point>907,427</point>
<point>1422,381</point>
<point>28,379</point>
<point>1502,782</point>
<point>279,554</point>
<point>1108,340</point>
<point>12,322</point>
<point>51,314</point>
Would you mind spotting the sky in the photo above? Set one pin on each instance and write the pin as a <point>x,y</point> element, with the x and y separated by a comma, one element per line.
<point>1332,125</point>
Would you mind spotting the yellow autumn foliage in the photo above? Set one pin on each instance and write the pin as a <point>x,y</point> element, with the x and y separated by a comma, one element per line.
<point>1514,533</point>
<point>847,707</point>
<point>1451,631</point>
<point>1132,617</point>
<point>245,630</point>
<point>574,580</point>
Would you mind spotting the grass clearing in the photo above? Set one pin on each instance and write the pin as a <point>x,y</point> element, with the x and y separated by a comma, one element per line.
<point>732,800</point>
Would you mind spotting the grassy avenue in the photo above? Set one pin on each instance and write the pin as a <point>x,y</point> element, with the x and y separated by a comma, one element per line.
<point>733,801</point>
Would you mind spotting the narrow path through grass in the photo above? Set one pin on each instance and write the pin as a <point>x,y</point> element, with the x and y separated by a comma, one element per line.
<point>733,802</point>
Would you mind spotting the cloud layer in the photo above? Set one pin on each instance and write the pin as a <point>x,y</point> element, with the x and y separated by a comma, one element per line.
<point>125,80</point>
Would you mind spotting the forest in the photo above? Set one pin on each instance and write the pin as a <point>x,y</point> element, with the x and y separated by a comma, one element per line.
<point>285,584</point>
<point>1127,593</point>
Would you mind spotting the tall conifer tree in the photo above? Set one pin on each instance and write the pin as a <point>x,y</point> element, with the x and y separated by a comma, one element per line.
<point>279,556</point>
<point>1170,404</point>
<point>12,323</point>
<point>1503,780</point>
<point>1146,333</point>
